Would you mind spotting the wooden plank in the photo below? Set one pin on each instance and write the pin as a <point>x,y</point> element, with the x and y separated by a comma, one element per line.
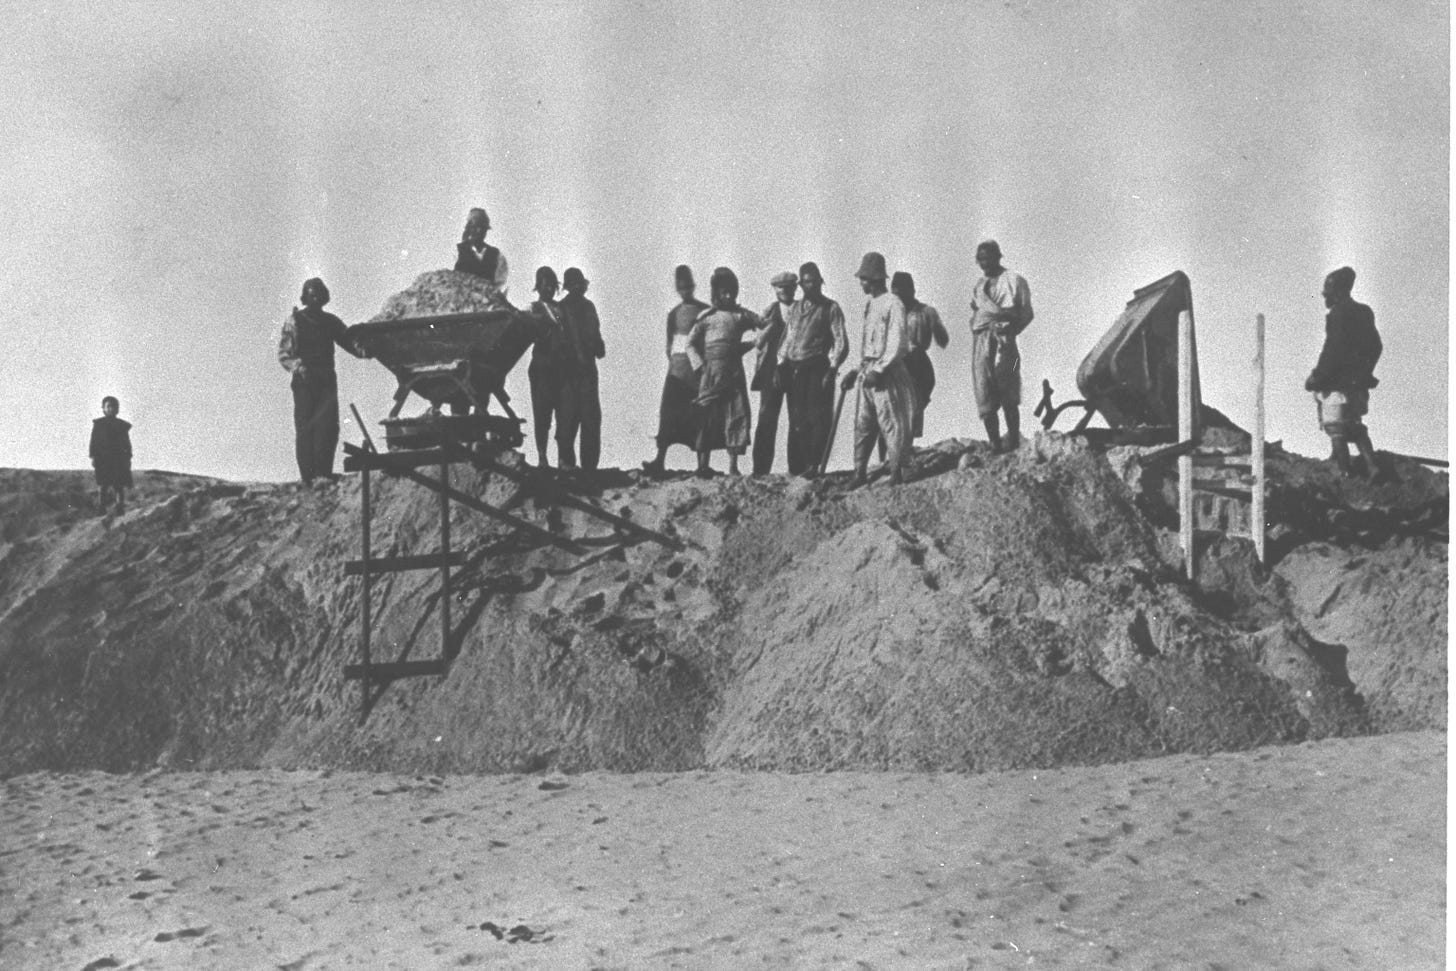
<point>1222,461</point>
<point>1221,487</point>
<point>1176,450</point>
<point>399,564</point>
<point>1185,432</point>
<point>1257,524</point>
<point>389,670</point>
<point>393,461</point>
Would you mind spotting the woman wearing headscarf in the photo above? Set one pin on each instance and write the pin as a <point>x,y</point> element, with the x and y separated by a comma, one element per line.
<point>676,418</point>
<point>724,417</point>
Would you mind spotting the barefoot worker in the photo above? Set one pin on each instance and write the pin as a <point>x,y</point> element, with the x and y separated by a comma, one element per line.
<point>306,351</point>
<point>676,418</point>
<point>766,380</point>
<point>723,411</point>
<point>581,402</point>
<point>1345,372</point>
<point>547,351</point>
<point>922,325</point>
<point>886,398</point>
<point>475,256</point>
<point>813,348</point>
<point>1000,310</point>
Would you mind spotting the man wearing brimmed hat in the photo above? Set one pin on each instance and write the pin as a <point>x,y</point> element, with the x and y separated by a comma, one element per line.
<point>766,380</point>
<point>547,349</point>
<point>581,403</point>
<point>1345,373</point>
<point>813,348</point>
<point>306,351</point>
<point>475,256</point>
<point>1000,310</point>
<point>886,399</point>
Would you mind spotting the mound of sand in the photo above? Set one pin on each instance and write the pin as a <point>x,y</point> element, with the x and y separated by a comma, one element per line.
<point>1015,612</point>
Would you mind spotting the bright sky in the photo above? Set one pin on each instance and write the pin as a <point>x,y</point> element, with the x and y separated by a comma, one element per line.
<point>174,171</point>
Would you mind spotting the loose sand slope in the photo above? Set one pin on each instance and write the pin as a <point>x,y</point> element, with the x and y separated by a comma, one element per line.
<point>1327,855</point>
<point>1016,612</point>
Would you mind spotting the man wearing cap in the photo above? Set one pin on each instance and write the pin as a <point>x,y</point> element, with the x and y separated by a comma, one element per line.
<point>813,348</point>
<point>765,377</point>
<point>547,351</point>
<point>475,256</point>
<point>922,325</point>
<point>306,351</point>
<point>886,398</point>
<point>1345,372</point>
<point>1000,310</point>
<point>676,418</point>
<point>581,404</point>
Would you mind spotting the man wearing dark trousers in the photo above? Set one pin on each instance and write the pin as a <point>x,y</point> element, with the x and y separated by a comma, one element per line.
<point>306,351</point>
<point>814,346</point>
<point>765,380</point>
<point>581,403</point>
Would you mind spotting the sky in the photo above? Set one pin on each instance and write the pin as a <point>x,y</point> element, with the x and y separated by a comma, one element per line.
<point>174,171</point>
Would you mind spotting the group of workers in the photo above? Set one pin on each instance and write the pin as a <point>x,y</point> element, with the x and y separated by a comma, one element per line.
<point>800,343</point>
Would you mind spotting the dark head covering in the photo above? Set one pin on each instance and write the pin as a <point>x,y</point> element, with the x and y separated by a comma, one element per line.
<point>724,279</point>
<point>872,267</point>
<point>683,275</point>
<point>990,246</point>
<point>112,399</point>
<point>477,215</point>
<point>810,267</point>
<point>312,283</point>
<point>573,277</point>
<point>545,279</point>
<point>902,282</point>
<point>1343,278</point>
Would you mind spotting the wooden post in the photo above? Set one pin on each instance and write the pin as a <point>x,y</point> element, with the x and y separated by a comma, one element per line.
<point>1185,432</point>
<point>1257,522</point>
<point>445,564</point>
<point>364,620</point>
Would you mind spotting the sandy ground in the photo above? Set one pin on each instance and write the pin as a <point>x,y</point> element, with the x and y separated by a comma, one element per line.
<point>1327,855</point>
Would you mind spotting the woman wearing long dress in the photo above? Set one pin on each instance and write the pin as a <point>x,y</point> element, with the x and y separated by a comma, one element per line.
<point>676,417</point>
<point>724,418</point>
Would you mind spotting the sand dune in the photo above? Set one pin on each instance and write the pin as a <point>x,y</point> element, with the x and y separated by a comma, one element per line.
<point>1324,855</point>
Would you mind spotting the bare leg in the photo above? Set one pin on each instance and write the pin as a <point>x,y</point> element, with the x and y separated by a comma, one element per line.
<point>704,469</point>
<point>733,463</point>
<point>1340,452</point>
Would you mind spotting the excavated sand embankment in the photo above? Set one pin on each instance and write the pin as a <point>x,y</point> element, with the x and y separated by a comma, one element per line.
<point>1013,613</point>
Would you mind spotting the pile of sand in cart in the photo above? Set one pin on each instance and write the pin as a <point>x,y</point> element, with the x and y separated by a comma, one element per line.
<point>441,292</point>
<point>1015,612</point>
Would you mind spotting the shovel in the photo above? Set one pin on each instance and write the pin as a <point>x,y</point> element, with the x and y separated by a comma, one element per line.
<point>834,427</point>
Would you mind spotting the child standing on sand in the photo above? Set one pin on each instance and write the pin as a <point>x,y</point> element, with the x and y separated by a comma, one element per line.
<point>111,454</point>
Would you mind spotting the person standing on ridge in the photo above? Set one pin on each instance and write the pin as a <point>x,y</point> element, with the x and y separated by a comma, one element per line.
<point>922,325</point>
<point>306,351</point>
<point>765,371</point>
<point>724,415</point>
<point>1345,372</point>
<point>581,402</point>
<point>886,398</point>
<point>1000,310</point>
<point>676,418</point>
<point>475,256</point>
<point>813,348</point>
<point>546,354</point>
<point>111,456</point>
